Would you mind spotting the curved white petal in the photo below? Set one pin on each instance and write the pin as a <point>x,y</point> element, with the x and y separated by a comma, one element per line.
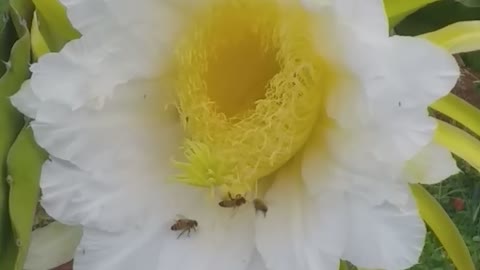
<point>324,177</point>
<point>299,231</point>
<point>87,14</point>
<point>133,129</point>
<point>378,109</point>
<point>26,101</point>
<point>224,240</point>
<point>386,236</point>
<point>431,165</point>
<point>85,72</point>
<point>116,45</point>
<point>368,16</point>
<point>388,145</point>
<point>412,74</point>
<point>220,242</point>
<point>396,76</point>
<point>256,262</point>
<point>52,246</point>
<point>112,201</point>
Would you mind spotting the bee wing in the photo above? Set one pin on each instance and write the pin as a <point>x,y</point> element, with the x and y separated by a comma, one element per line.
<point>179,216</point>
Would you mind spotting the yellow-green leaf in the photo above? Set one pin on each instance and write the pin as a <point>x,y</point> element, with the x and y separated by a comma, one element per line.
<point>11,121</point>
<point>397,10</point>
<point>343,266</point>
<point>458,142</point>
<point>443,227</point>
<point>460,111</point>
<point>39,46</point>
<point>54,24</point>
<point>457,37</point>
<point>24,164</point>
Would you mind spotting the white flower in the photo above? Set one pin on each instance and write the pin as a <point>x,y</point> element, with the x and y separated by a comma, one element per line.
<point>162,108</point>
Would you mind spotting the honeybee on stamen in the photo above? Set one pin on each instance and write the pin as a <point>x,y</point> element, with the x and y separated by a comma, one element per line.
<point>260,206</point>
<point>232,202</point>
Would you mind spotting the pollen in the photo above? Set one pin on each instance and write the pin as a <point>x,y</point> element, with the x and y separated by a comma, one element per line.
<point>249,90</point>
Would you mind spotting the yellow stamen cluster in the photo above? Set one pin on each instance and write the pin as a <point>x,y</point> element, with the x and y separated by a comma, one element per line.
<point>249,88</point>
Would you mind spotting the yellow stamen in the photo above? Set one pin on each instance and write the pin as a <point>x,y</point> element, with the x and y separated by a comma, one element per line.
<point>249,89</point>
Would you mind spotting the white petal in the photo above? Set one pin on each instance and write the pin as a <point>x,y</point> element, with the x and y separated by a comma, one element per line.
<point>369,16</point>
<point>117,45</point>
<point>87,14</point>
<point>111,202</point>
<point>220,242</point>
<point>431,165</point>
<point>26,101</point>
<point>387,145</point>
<point>256,262</point>
<point>412,73</point>
<point>299,232</point>
<point>52,246</point>
<point>133,129</point>
<point>135,249</point>
<point>387,236</point>
<point>397,77</point>
<point>224,240</point>
<point>87,70</point>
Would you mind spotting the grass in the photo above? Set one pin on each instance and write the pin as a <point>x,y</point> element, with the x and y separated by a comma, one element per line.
<point>465,187</point>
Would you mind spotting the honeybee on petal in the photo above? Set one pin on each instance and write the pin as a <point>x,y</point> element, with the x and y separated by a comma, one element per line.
<point>184,225</point>
<point>260,206</point>
<point>232,202</point>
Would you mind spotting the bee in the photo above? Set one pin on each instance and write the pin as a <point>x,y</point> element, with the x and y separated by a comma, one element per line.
<point>233,202</point>
<point>260,206</point>
<point>184,225</point>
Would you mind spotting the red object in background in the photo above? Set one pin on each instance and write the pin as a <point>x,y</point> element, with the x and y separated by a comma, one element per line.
<point>458,204</point>
<point>65,266</point>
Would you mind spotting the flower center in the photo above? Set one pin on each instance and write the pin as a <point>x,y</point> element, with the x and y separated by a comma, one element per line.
<point>249,88</point>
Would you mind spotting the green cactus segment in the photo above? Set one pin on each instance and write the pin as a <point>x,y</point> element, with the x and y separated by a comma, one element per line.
<point>11,121</point>
<point>54,24</point>
<point>24,164</point>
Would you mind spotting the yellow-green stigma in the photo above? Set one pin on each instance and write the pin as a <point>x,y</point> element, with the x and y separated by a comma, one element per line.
<point>249,88</point>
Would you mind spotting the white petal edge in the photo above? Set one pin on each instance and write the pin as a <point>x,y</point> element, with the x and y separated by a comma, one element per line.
<point>299,232</point>
<point>431,165</point>
<point>133,129</point>
<point>26,101</point>
<point>388,78</point>
<point>256,262</point>
<point>220,242</point>
<point>52,246</point>
<point>385,236</point>
<point>369,16</point>
<point>111,202</point>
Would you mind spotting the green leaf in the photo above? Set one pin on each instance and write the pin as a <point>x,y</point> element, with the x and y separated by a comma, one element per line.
<point>54,24</point>
<point>458,37</point>
<point>22,12</point>
<point>11,121</point>
<point>6,35</point>
<point>397,10</point>
<point>470,3</point>
<point>24,163</point>
<point>460,111</point>
<point>39,46</point>
<point>435,16</point>
<point>458,142</point>
<point>472,60</point>
<point>343,266</point>
<point>443,227</point>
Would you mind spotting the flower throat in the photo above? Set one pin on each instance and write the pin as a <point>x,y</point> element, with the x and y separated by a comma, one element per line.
<point>248,83</point>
